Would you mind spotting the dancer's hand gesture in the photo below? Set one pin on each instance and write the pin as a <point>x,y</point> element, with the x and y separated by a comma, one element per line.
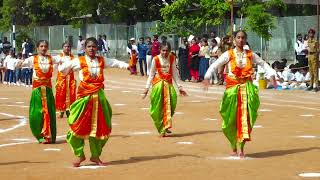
<point>206,84</point>
<point>145,93</point>
<point>182,92</point>
<point>274,82</point>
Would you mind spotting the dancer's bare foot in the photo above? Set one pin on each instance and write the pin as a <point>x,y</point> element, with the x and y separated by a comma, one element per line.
<point>78,161</point>
<point>168,131</point>
<point>242,155</point>
<point>98,161</point>
<point>163,135</point>
<point>234,153</point>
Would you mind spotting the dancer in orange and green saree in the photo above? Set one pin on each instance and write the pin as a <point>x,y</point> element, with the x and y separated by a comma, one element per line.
<point>65,85</point>
<point>163,74</point>
<point>90,114</point>
<point>240,103</point>
<point>42,112</point>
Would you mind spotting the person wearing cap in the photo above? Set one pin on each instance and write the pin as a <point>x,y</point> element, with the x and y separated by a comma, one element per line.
<point>313,60</point>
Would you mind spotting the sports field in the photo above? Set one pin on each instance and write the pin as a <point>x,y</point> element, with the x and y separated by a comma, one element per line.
<point>285,139</point>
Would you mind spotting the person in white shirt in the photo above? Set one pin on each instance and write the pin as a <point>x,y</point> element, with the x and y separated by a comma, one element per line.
<point>303,78</point>
<point>204,55</point>
<point>80,46</point>
<point>288,77</point>
<point>300,50</point>
<point>106,48</point>
<point>2,69</point>
<point>90,115</point>
<point>133,45</point>
<point>214,54</point>
<point>240,92</point>
<point>10,63</point>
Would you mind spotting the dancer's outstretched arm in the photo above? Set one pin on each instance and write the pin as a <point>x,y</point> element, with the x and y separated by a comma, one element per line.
<point>151,76</point>
<point>108,62</point>
<point>222,60</point>
<point>175,78</point>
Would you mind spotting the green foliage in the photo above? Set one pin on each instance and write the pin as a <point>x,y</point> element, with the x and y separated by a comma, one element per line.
<point>53,12</point>
<point>188,16</point>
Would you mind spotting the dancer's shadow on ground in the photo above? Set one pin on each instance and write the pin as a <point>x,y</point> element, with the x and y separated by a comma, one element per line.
<point>120,136</point>
<point>275,153</point>
<point>117,114</point>
<point>20,162</point>
<point>149,158</point>
<point>62,141</point>
<point>193,133</point>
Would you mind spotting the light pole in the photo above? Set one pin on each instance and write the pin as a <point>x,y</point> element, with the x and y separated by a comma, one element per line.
<point>231,18</point>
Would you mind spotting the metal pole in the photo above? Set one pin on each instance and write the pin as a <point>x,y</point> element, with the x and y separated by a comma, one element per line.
<point>49,39</point>
<point>232,19</point>
<point>14,33</point>
<point>317,64</point>
<point>295,35</point>
<point>318,21</point>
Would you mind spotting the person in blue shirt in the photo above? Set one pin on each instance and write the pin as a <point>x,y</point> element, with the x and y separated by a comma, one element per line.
<point>142,49</point>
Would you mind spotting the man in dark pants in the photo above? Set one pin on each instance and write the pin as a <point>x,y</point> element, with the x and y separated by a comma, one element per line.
<point>142,48</point>
<point>300,51</point>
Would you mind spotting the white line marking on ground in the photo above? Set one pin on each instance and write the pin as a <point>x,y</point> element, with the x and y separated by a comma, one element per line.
<point>195,101</point>
<point>307,136</point>
<point>61,136</point>
<point>119,104</point>
<point>21,139</point>
<point>209,119</point>
<point>90,167</point>
<point>3,98</point>
<point>9,115</point>
<point>11,105</point>
<point>19,102</point>
<point>179,113</point>
<point>108,89</point>
<point>288,105</point>
<point>306,115</point>
<point>13,144</point>
<point>27,142</point>
<point>115,124</point>
<point>144,108</point>
<point>52,149</point>
<point>185,142</point>
<point>126,91</point>
<point>141,133</point>
<point>265,110</point>
<point>237,158</point>
<point>257,126</point>
<point>22,122</point>
<point>309,174</point>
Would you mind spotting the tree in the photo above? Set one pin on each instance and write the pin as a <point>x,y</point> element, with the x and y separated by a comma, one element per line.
<point>188,16</point>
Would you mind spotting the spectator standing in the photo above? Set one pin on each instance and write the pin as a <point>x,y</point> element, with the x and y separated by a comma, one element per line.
<point>300,50</point>
<point>183,60</point>
<point>80,46</point>
<point>149,54</point>
<point>142,49</point>
<point>155,46</point>
<point>100,45</point>
<point>6,45</point>
<point>313,60</point>
<point>106,50</point>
